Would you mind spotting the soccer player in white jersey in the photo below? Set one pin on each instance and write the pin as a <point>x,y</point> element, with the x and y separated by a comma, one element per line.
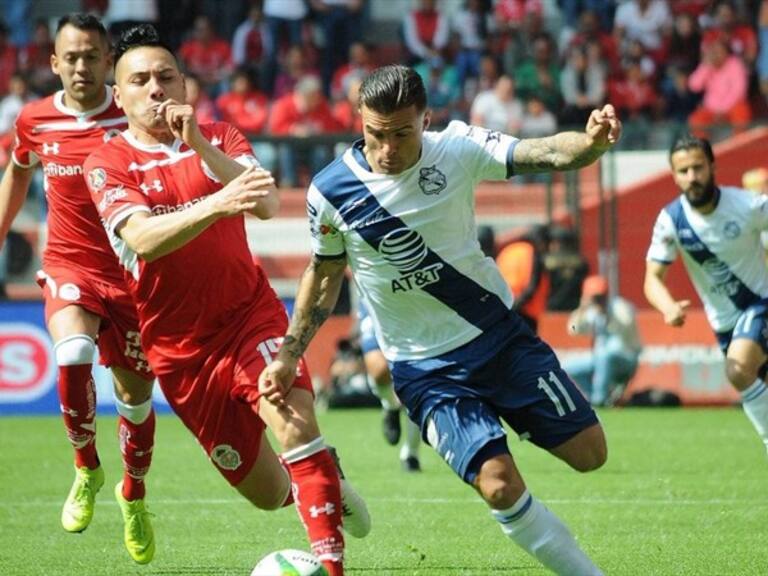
<point>172,195</point>
<point>398,208</point>
<point>716,230</point>
<point>86,302</point>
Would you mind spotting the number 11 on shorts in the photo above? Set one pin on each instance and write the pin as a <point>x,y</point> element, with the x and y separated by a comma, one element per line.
<point>548,389</point>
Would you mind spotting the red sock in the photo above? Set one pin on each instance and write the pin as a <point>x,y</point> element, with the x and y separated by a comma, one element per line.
<point>317,495</point>
<point>136,442</point>
<point>77,397</point>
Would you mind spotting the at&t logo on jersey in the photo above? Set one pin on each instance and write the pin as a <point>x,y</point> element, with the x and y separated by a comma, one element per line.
<point>26,363</point>
<point>405,250</point>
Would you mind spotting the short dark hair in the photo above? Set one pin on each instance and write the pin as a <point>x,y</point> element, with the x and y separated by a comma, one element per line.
<point>691,142</point>
<point>143,35</point>
<point>83,21</point>
<point>392,88</point>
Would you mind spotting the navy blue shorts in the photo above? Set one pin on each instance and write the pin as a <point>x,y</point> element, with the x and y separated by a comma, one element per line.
<point>460,398</point>
<point>752,325</point>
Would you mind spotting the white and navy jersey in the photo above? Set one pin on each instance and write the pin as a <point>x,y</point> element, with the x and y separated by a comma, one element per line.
<point>411,241</point>
<point>721,250</point>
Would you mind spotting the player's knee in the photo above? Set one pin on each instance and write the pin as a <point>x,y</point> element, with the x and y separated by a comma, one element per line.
<point>75,350</point>
<point>499,493</point>
<point>590,453</point>
<point>739,374</point>
<point>591,459</point>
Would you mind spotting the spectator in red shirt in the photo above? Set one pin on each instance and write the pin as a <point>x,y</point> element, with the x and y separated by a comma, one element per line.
<point>294,67</point>
<point>347,111</point>
<point>35,60</point>
<point>251,44</point>
<point>207,56</point>
<point>300,114</point>
<point>426,31</point>
<point>248,109</point>
<point>636,99</point>
<point>360,65</point>
<point>243,105</point>
<point>740,38</point>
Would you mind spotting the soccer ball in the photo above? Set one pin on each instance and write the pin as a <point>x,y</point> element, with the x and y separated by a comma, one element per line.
<point>289,563</point>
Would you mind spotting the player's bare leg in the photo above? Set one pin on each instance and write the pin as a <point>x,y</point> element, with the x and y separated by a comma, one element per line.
<point>317,489</point>
<point>136,432</point>
<point>742,366</point>
<point>527,521</point>
<point>586,451</point>
<point>74,331</point>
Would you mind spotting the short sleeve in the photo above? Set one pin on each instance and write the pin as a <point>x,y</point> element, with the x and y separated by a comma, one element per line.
<point>663,247</point>
<point>485,153</point>
<point>113,192</point>
<point>759,211</point>
<point>23,152</point>
<point>326,239</point>
<point>237,147</point>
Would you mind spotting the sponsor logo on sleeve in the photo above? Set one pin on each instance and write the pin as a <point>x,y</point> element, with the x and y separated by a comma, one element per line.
<point>97,179</point>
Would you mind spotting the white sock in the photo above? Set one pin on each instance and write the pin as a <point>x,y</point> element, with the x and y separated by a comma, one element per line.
<point>137,414</point>
<point>754,400</point>
<point>412,440</point>
<point>540,533</point>
<point>386,394</point>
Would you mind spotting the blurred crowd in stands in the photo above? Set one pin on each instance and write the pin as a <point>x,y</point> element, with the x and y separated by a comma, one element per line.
<point>283,70</point>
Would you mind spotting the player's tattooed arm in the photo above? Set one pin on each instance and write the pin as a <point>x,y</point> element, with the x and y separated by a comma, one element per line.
<point>569,150</point>
<point>563,151</point>
<point>317,295</point>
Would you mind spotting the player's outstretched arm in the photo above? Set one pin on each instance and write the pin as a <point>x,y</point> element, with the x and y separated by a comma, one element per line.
<point>316,297</point>
<point>569,150</point>
<point>152,237</point>
<point>13,191</point>
<point>658,294</point>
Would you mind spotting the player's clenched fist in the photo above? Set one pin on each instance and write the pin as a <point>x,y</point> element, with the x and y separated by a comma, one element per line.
<point>675,315</point>
<point>181,120</point>
<point>604,127</point>
<point>244,193</point>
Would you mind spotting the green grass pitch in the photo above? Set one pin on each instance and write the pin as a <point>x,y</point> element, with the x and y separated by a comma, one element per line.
<point>685,492</point>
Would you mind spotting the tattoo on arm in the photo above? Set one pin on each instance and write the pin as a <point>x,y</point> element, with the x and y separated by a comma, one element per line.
<point>316,298</point>
<point>563,151</point>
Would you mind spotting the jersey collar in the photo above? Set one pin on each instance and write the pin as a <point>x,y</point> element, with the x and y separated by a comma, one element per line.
<point>58,102</point>
<point>171,150</point>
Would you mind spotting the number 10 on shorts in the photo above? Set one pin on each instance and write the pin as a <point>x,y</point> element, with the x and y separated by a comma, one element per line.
<point>557,393</point>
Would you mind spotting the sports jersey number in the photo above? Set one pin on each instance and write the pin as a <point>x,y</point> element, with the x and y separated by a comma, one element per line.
<point>553,396</point>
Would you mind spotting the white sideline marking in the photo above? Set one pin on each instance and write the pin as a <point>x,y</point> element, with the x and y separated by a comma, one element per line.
<point>452,501</point>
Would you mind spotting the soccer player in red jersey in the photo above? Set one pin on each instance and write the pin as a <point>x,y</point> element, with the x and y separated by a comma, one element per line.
<point>83,284</point>
<point>172,196</point>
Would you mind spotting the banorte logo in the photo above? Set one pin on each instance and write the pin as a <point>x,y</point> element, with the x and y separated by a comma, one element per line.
<point>27,366</point>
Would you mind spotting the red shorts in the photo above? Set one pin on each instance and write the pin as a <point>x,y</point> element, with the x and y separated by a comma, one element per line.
<point>219,400</point>
<point>118,340</point>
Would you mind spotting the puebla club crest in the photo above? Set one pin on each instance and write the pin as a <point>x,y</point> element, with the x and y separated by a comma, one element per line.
<point>432,181</point>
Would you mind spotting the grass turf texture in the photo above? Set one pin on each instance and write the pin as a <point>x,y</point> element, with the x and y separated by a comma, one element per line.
<point>683,493</point>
